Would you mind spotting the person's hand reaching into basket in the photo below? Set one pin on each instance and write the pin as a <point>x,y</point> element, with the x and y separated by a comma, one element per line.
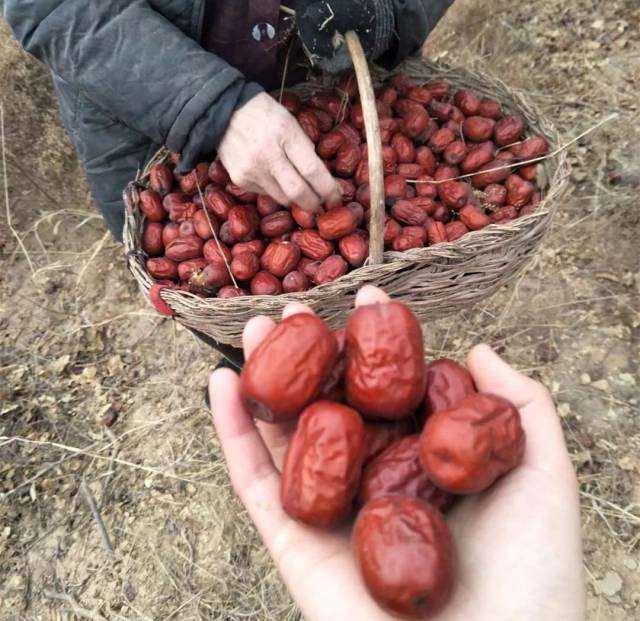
<point>519,546</point>
<point>265,150</point>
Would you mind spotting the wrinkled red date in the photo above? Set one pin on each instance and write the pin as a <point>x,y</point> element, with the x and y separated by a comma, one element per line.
<point>478,128</point>
<point>337,223</point>
<point>229,291</point>
<point>464,449</point>
<point>519,191</point>
<point>397,470</point>
<point>330,269</point>
<point>288,369</point>
<point>295,281</point>
<point>384,375</point>
<point>213,276</point>
<point>381,434</point>
<point>407,212</point>
<point>245,265</point>
<point>404,242</point>
<point>406,555</point>
<point>455,230</point>
<point>448,383</point>
<point>323,464</point>
<point>436,232</point>
<point>355,248</point>
<point>216,252</point>
<point>508,129</point>
<point>313,245</point>
<point>183,248</point>
<point>160,179</point>
<point>151,206</point>
<point>162,268</point>
<point>265,283</point>
<point>280,258</point>
<point>152,242</point>
<point>473,218</point>
<point>276,224</point>
<point>187,268</point>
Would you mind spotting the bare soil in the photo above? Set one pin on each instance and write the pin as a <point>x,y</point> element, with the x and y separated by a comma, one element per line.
<point>79,343</point>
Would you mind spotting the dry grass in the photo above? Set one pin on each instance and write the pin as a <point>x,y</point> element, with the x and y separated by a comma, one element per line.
<point>78,343</point>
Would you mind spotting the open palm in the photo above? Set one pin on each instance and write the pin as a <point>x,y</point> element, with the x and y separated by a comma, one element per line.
<point>519,547</point>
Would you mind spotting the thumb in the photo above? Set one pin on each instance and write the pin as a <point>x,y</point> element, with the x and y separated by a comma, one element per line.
<point>493,375</point>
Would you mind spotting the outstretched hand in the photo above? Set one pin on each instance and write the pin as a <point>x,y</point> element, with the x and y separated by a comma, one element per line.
<point>519,544</point>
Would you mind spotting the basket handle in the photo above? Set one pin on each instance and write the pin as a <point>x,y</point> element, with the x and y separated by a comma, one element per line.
<point>374,147</point>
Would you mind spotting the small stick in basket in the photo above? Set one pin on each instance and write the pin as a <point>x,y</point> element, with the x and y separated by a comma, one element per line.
<point>213,232</point>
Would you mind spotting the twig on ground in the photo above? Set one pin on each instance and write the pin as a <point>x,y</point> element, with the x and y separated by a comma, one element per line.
<point>48,309</point>
<point>5,180</point>
<point>620,511</point>
<point>185,603</point>
<point>102,530</point>
<point>77,609</point>
<point>79,451</point>
<point>112,319</point>
<point>36,476</point>
<point>37,183</point>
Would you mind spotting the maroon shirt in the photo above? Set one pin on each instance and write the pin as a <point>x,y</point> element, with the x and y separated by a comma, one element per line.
<point>251,35</point>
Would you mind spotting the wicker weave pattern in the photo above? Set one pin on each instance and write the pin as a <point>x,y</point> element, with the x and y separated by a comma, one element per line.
<point>434,281</point>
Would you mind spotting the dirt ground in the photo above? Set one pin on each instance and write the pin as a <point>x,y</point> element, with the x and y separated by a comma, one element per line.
<point>78,342</point>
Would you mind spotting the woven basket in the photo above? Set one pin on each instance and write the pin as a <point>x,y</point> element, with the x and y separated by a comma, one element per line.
<point>435,281</point>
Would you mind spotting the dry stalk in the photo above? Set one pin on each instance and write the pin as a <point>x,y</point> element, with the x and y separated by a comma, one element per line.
<point>534,160</point>
<point>285,71</point>
<point>98,248</point>
<point>104,322</point>
<point>38,184</point>
<point>215,236</point>
<point>84,452</point>
<point>102,530</point>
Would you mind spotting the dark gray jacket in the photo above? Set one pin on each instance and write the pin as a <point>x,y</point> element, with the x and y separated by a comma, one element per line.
<point>131,75</point>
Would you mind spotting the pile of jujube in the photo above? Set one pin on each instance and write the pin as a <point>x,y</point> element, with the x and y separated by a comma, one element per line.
<point>383,436</point>
<point>201,228</point>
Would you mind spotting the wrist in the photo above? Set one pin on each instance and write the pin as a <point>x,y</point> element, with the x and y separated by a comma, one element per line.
<point>207,133</point>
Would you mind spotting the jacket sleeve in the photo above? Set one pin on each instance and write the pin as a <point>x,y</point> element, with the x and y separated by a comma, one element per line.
<point>136,65</point>
<point>414,20</point>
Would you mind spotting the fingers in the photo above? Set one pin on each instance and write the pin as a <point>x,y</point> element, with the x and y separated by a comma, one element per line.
<point>294,308</point>
<point>302,155</point>
<point>494,375</point>
<point>254,477</point>
<point>276,438</point>
<point>371,295</point>
<point>255,330</point>
<point>293,185</point>
<point>546,447</point>
<point>270,187</point>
